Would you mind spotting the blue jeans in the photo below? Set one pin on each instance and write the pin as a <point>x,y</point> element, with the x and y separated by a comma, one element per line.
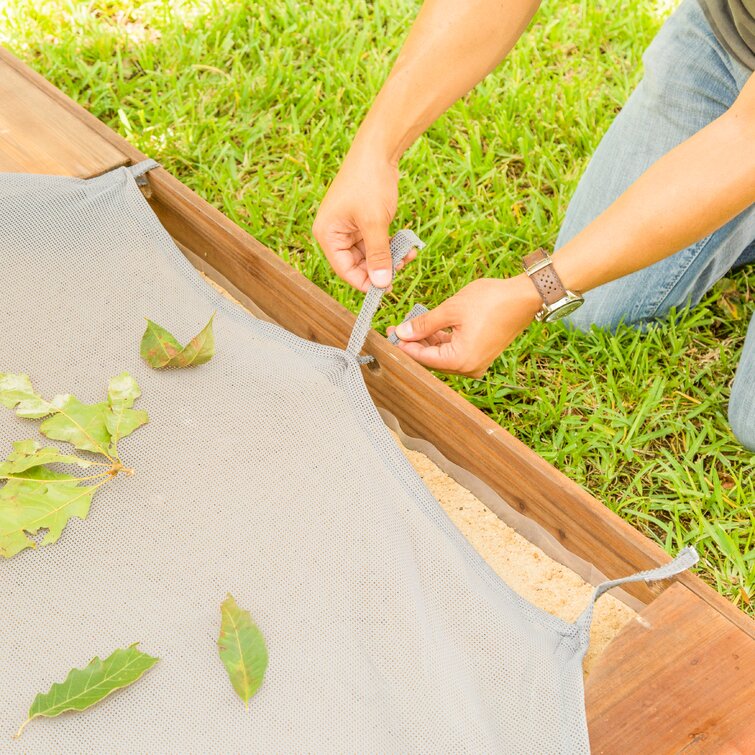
<point>689,81</point>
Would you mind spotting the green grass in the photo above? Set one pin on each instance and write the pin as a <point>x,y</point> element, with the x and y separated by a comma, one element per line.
<point>253,104</point>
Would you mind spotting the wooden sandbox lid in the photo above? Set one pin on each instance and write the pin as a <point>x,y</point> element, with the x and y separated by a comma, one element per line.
<point>680,677</point>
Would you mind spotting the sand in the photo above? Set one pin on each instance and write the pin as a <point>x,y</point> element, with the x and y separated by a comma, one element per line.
<point>536,576</point>
<point>523,566</point>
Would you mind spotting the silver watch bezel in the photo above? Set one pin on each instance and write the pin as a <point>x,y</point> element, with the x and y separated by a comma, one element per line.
<point>564,306</point>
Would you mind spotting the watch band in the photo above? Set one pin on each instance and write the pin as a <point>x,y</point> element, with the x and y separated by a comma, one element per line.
<point>540,270</point>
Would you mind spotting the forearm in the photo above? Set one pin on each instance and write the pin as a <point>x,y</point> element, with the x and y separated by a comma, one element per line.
<point>451,47</point>
<point>689,193</point>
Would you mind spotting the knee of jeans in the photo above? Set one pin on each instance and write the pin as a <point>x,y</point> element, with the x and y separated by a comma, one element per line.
<point>742,419</point>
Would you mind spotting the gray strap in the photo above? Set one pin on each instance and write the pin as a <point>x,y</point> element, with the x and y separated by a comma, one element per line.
<point>141,168</point>
<point>684,559</point>
<point>415,311</point>
<point>401,243</point>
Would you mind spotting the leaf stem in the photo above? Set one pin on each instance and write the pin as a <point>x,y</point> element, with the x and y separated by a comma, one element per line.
<point>21,729</point>
<point>109,473</point>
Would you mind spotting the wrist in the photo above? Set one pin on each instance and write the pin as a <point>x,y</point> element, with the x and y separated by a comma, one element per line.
<point>367,181</point>
<point>518,294</point>
<point>571,269</point>
<point>382,132</point>
<point>527,295</point>
<point>377,144</point>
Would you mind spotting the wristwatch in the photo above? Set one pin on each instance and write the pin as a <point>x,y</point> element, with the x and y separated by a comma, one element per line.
<point>557,300</point>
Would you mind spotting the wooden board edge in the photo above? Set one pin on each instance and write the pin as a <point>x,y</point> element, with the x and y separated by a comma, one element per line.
<point>73,109</point>
<point>679,665</point>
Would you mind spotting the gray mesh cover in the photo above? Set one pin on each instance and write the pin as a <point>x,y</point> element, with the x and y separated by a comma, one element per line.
<point>266,473</point>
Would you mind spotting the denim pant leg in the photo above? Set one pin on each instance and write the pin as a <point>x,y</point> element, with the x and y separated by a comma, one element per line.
<point>689,81</point>
<point>742,400</point>
<point>747,257</point>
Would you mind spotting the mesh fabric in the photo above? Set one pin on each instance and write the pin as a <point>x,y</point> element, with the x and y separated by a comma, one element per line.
<point>266,473</point>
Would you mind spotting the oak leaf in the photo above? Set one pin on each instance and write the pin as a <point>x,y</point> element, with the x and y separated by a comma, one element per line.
<point>84,687</point>
<point>16,392</point>
<point>28,453</point>
<point>88,427</point>
<point>120,419</point>
<point>40,499</point>
<point>37,499</point>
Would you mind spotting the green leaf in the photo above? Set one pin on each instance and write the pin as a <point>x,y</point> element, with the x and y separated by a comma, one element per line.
<point>81,425</point>
<point>158,346</point>
<point>160,349</point>
<point>122,420</point>
<point>40,499</point>
<point>83,688</point>
<point>88,427</point>
<point>28,453</point>
<point>200,349</point>
<point>242,649</point>
<point>34,497</point>
<point>16,392</point>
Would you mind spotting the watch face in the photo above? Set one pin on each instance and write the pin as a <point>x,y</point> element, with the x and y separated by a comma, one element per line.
<point>563,310</point>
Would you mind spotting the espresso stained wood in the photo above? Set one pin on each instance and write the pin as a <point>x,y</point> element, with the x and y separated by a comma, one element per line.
<point>37,136</point>
<point>424,406</point>
<point>686,673</point>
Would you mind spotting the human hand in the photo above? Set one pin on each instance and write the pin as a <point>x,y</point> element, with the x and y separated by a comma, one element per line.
<point>467,332</point>
<point>352,223</point>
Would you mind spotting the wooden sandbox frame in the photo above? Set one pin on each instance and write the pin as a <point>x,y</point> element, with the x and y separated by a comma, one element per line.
<point>681,677</point>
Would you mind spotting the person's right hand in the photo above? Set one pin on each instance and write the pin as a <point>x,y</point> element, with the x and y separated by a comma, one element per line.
<point>352,223</point>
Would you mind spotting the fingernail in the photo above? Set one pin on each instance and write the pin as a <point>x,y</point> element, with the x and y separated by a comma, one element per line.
<point>381,278</point>
<point>404,330</point>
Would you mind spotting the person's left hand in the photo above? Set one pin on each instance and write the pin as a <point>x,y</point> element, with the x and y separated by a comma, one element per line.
<point>467,332</point>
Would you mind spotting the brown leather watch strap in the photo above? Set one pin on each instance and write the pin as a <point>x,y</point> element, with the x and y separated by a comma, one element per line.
<point>545,279</point>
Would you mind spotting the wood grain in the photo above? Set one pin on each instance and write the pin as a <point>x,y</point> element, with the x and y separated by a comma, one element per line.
<point>680,678</point>
<point>37,136</point>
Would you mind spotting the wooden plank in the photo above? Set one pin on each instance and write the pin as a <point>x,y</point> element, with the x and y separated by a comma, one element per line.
<point>680,678</point>
<point>38,136</point>
<point>424,406</point>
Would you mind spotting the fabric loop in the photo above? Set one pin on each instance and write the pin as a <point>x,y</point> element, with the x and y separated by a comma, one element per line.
<point>142,167</point>
<point>415,311</point>
<point>684,559</point>
<point>401,243</point>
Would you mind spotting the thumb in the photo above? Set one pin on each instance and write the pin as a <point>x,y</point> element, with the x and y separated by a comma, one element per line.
<point>378,253</point>
<point>426,324</point>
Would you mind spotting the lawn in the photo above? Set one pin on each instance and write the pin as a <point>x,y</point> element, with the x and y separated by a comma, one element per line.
<point>253,104</point>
